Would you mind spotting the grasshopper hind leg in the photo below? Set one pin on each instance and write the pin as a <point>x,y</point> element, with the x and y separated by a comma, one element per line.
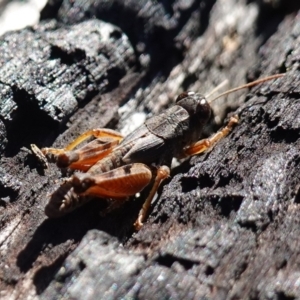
<point>117,184</point>
<point>163,172</point>
<point>86,156</point>
<point>63,201</point>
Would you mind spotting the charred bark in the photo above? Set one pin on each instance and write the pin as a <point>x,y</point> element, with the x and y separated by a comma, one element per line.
<point>226,224</point>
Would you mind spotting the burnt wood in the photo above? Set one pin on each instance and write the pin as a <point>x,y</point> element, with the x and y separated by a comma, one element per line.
<point>226,224</point>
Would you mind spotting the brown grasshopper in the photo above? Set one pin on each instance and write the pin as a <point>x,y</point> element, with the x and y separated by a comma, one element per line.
<point>116,167</point>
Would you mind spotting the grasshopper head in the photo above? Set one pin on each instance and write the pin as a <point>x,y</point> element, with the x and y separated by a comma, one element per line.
<point>197,107</point>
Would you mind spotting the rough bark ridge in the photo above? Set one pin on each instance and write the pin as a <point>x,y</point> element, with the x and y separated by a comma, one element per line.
<point>226,225</point>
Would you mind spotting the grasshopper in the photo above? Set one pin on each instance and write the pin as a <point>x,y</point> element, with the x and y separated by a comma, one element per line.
<point>117,167</point>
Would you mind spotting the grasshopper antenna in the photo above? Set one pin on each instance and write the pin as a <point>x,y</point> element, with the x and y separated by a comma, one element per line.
<point>248,85</point>
<point>217,88</point>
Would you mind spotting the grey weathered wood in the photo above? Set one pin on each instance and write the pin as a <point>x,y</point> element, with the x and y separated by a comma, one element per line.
<point>226,224</point>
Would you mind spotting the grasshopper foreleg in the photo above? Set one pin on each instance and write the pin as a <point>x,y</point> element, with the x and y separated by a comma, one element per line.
<point>205,144</point>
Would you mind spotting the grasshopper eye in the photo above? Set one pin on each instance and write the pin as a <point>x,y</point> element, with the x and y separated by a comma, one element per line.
<point>184,95</point>
<point>203,109</point>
